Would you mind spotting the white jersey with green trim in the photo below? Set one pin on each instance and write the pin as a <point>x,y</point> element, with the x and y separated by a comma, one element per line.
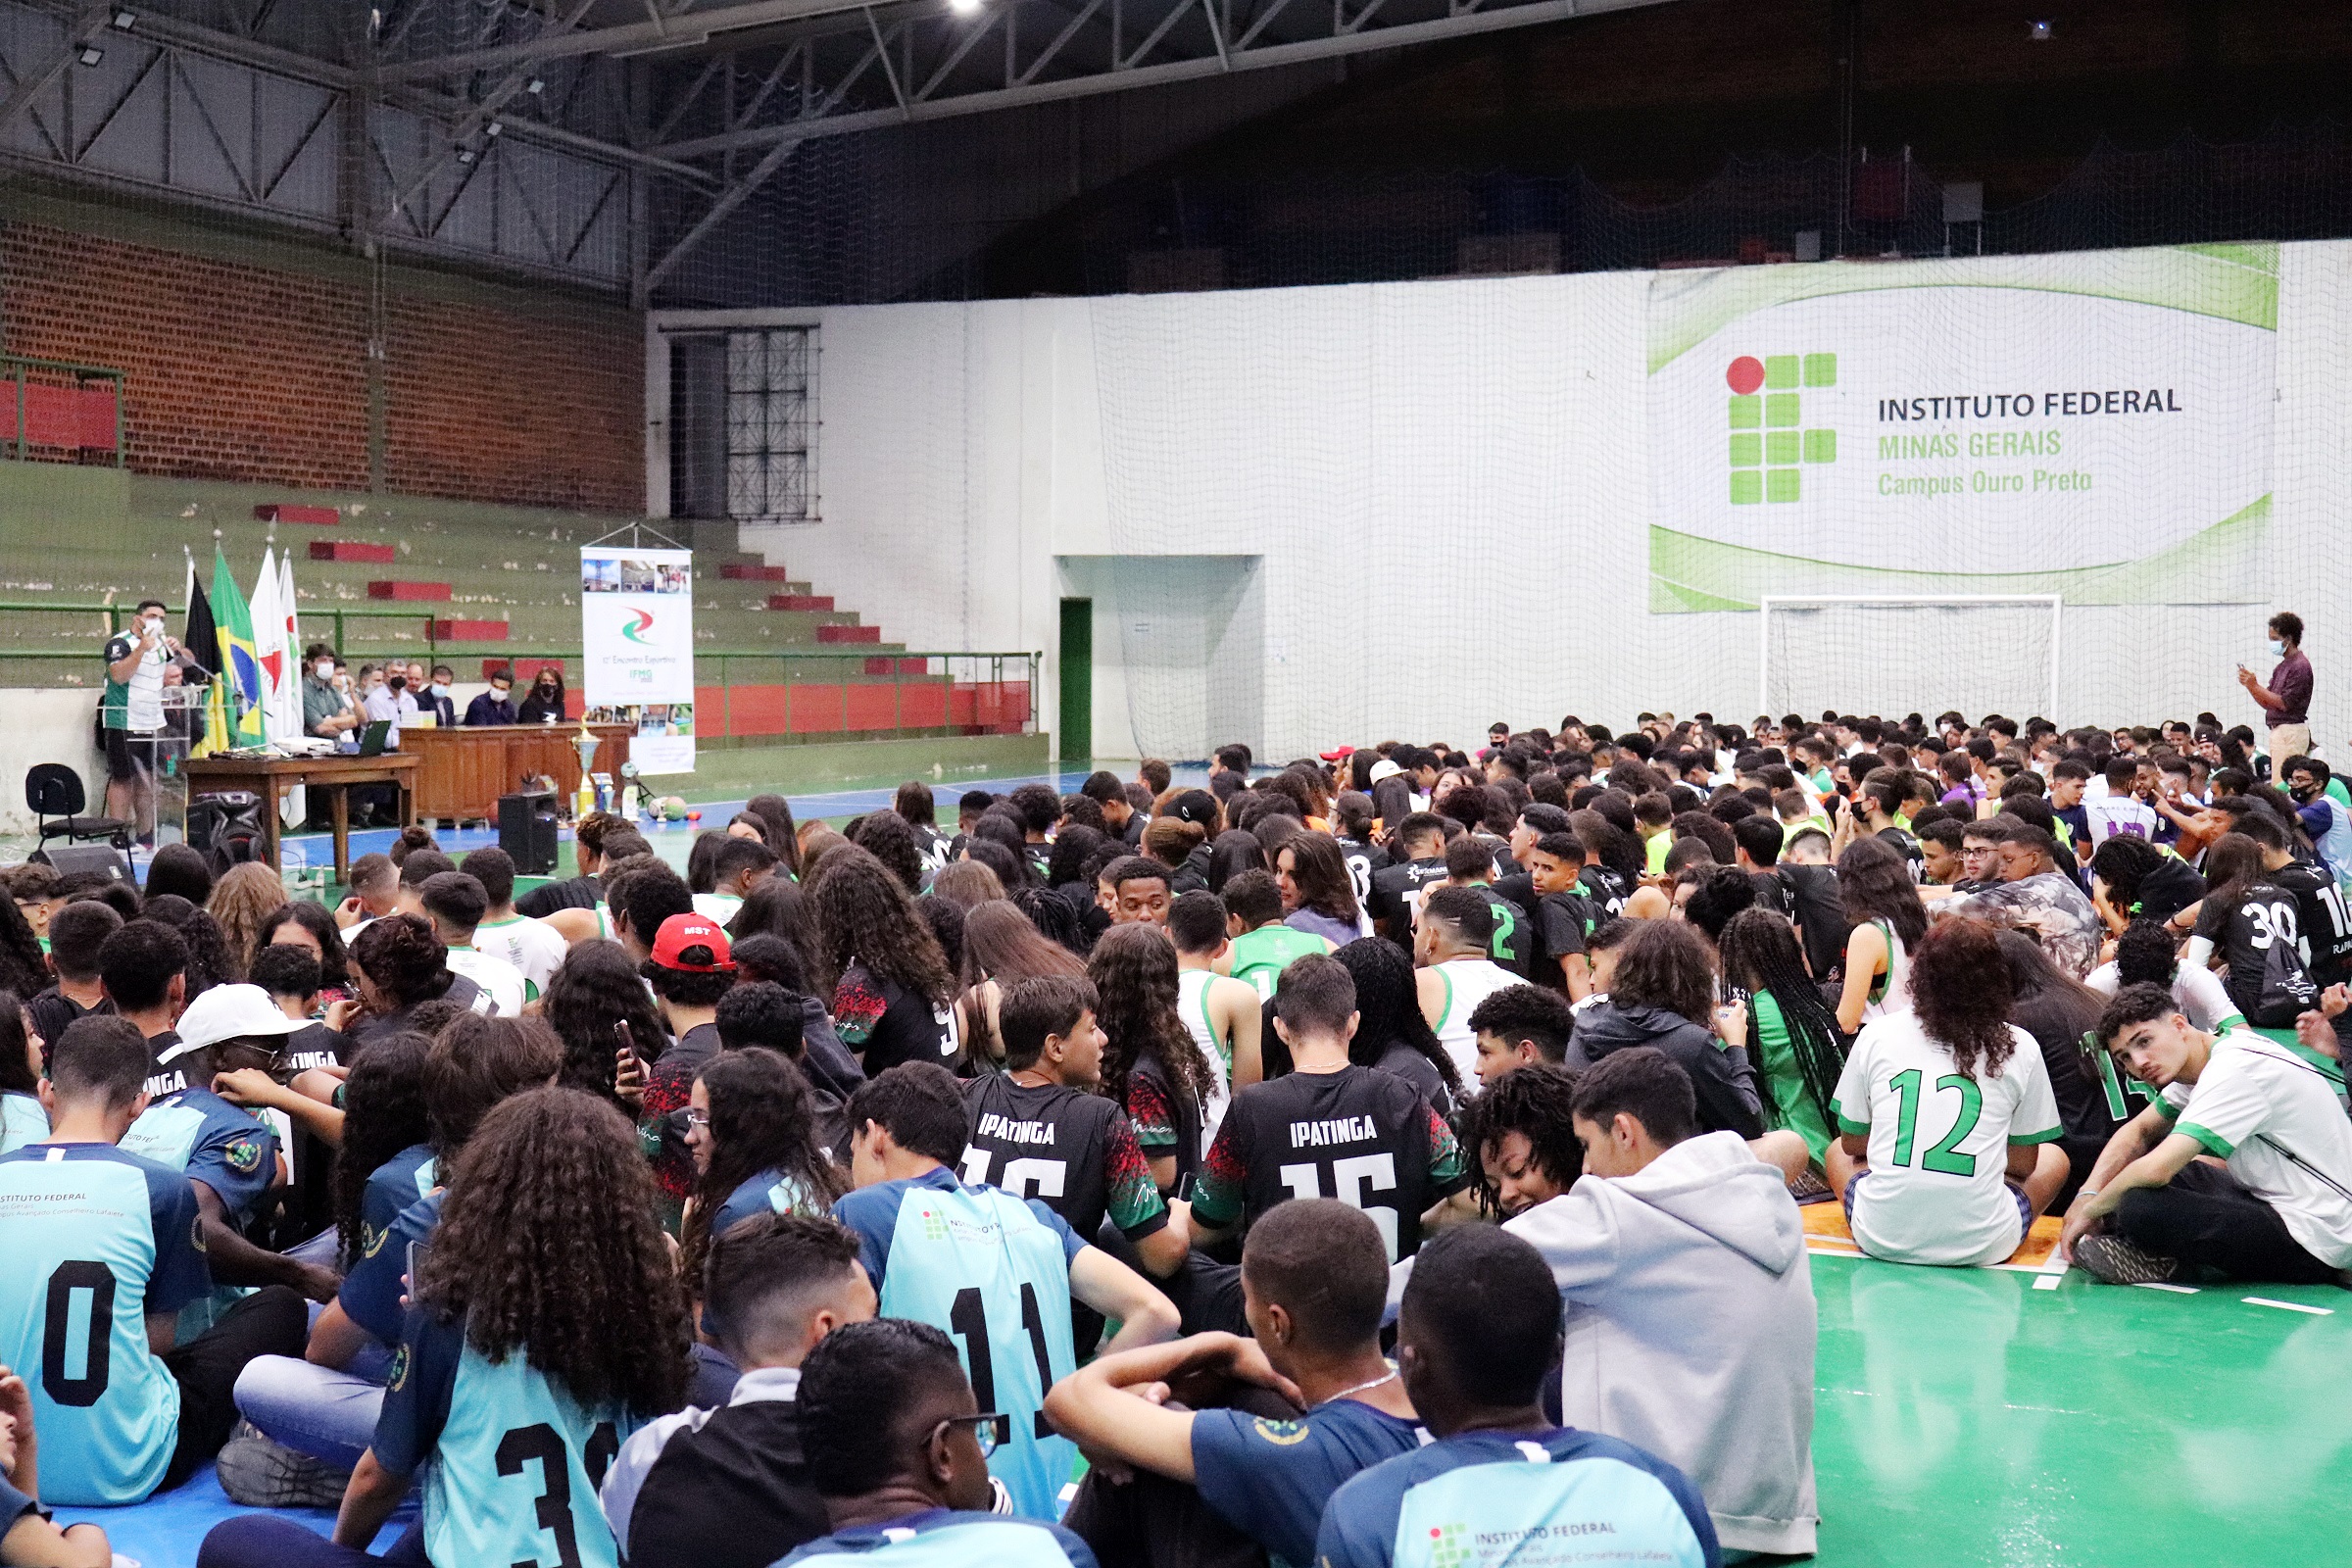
<point>1468,982</point>
<point>1191,1002</point>
<point>1890,992</point>
<point>530,946</point>
<point>1937,1191</point>
<point>2274,1117</point>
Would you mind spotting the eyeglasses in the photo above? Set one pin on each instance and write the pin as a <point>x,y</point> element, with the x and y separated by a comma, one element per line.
<point>991,1429</point>
<point>697,1118</point>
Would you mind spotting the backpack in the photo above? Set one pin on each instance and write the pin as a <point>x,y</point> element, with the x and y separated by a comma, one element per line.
<point>2287,989</point>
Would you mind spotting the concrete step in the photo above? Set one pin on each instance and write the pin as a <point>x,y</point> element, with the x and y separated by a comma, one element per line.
<point>848,634</point>
<point>815,601</point>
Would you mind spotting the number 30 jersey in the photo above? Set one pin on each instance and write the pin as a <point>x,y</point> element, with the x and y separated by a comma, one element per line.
<point>520,1459</point>
<point>992,1271</point>
<point>92,1240</point>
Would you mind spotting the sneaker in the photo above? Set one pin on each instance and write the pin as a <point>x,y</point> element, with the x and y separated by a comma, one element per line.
<point>259,1472</point>
<point>2112,1261</point>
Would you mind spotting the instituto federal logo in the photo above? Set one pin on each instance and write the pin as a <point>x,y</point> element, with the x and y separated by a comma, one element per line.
<point>1769,441</point>
<point>1449,1546</point>
<point>636,629</point>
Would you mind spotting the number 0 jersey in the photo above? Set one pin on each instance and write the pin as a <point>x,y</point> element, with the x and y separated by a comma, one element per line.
<point>994,1272</point>
<point>91,1241</point>
<point>520,1459</point>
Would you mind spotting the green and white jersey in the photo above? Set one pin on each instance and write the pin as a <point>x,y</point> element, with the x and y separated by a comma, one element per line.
<point>500,980</point>
<point>1935,1191</point>
<point>530,946</point>
<point>136,704</point>
<point>1259,957</point>
<point>716,908</point>
<point>1192,1004</point>
<point>2275,1118</point>
<point>1468,982</point>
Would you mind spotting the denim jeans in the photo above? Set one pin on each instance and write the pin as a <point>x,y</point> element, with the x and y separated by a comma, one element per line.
<point>318,1410</point>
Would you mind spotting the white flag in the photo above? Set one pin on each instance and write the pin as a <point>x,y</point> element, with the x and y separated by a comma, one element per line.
<point>269,647</point>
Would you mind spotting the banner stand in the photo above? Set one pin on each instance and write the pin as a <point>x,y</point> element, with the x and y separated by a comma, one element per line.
<point>637,637</point>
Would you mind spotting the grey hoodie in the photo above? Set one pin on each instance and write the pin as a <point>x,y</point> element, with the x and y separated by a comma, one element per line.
<point>1689,1323</point>
<point>1720,1075</point>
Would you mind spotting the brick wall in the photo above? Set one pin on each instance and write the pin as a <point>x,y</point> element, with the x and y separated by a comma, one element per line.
<point>250,373</point>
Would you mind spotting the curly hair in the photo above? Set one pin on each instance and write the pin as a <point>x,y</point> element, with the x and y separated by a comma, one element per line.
<point>1535,1103</point>
<point>1874,883</point>
<point>1133,971</point>
<point>334,958</point>
<point>863,915</point>
<point>1761,955</point>
<point>888,838</point>
<point>24,967</point>
<point>383,1113</point>
<point>597,1307</point>
<point>18,1075</point>
<point>762,1117</point>
<point>1071,847</point>
<point>597,987</point>
<point>403,958</point>
<point>245,896</point>
<point>1665,964</point>
<point>1961,990</point>
<point>209,963</point>
<point>1391,1010</point>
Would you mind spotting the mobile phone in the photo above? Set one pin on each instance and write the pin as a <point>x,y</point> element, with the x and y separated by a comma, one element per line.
<point>416,1256</point>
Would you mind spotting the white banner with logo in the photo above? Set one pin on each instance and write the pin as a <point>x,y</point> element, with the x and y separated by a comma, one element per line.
<point>2095,424</point>
<point>637,631</point>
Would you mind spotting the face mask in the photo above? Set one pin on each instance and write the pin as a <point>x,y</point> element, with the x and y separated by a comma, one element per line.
<point>439,689</point>
<point>325,672</point>
<point>501,693</point>
<point>2277,649</point>
<point>398,683</point>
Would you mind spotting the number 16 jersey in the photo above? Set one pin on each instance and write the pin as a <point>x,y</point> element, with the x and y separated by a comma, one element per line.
<point>992,1272</point>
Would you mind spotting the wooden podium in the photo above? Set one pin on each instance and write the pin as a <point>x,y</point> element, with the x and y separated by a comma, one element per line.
<point>465,771</point>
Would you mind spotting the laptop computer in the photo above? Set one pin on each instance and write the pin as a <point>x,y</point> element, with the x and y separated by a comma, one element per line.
<point>372,738</point>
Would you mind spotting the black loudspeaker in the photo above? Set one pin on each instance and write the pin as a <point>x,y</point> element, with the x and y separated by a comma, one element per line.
<point>79,860</point>
<point>526,831</point>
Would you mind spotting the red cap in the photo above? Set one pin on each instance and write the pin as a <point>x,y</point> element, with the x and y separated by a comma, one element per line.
<point>1338,755</point>
<point>682,931</point>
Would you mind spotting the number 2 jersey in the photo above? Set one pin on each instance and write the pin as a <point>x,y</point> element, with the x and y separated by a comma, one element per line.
<point>520,1459</point>
<point>1365,1137</point>
<point>91,1241</point>
<point>993,1271</point>
<point>1937,1188</point>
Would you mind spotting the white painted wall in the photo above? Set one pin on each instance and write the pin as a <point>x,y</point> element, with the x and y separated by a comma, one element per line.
<point>1444,485</point>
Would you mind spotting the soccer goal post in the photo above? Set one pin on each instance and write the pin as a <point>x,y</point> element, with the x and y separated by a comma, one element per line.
<point>1892,655</point>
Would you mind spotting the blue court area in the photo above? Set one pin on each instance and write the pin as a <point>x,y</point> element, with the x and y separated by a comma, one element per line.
<point>165,1532</point>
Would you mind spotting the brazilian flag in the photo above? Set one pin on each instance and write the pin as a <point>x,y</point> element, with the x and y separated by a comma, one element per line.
<point>240,666</point>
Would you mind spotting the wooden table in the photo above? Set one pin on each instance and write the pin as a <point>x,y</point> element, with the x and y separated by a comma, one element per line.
<point>265,776</point>
<point>466,769</point>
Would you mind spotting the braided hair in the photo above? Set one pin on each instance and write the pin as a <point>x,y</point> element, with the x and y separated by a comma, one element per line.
<point>1760,953</point>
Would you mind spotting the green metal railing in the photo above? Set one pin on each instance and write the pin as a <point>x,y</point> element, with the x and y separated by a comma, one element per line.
<point>22,373</point>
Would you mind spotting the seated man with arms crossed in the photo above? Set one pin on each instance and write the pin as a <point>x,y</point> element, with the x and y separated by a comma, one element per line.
<point>2281,1208</point>
<point>1314,1278</point>
<point>729,1488</point>
<point>899,1446</point>
<point>1478,1334</point>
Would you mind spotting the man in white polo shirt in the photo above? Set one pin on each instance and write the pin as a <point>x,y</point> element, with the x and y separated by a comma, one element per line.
<point>2281,1210</point>
<point>131,712</point>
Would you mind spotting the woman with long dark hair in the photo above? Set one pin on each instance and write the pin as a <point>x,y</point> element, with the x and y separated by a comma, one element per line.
<point>398,965</point>
<point>21,1120</point>
<point>540,1343</point>
<point>1392,1033</point>
<point>387,1143</point>
<point>2060,1011</point>
<point>597,987</point>
<point>1234,851</point>
<point>751,1129</point>
<point>1883,906</point>
<point>777,905</point>
<point>1662,994</point>
<point>546,698</point>
<point>1959,1130</point>
<point>782,833</point>
<point>23,966</point>
<point>1151,1066</point>
<point>1792,1035</point>
<point>1000,944</point>
<point>893,997</point>
<point>304,925</point>
<point>1317,894</point>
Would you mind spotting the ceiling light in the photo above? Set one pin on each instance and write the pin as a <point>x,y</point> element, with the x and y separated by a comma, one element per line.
<point>535,86</point>
<point>2038,32</point>
<point>964,8</point>
<point>464,155</point>
<point>127,19</point>
<point>492,129</point>
<point>91,53</point>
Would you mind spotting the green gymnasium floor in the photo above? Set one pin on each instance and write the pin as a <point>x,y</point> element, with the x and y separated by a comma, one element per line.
<point>1965,1417</point>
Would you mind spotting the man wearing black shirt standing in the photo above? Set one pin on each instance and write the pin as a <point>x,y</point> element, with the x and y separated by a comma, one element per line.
<point>1040,1130</point>
<point>1328,1128</point>
<point>729,1488</point>
<point>1397,890</point>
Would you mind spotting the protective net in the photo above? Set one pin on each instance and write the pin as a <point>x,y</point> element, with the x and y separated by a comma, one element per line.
<point>1892,657</point>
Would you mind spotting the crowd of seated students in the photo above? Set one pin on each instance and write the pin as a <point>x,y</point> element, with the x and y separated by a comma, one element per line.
<point>836,1195</point>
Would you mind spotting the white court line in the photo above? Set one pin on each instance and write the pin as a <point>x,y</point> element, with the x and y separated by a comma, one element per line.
<point>2288,1306</point>
<point>2159,1284</point>
<point>2047,1282</point>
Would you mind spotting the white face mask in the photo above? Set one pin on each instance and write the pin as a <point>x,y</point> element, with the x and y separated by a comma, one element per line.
<point>439,689</point>
<point>324,671</point>
<point>2277,649</point>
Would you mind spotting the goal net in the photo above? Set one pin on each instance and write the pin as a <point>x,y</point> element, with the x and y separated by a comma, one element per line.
<point>1891,656</point>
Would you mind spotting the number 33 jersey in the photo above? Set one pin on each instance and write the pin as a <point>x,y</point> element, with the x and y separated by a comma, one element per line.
<point>92,1240</point>
<point>992,1272</point>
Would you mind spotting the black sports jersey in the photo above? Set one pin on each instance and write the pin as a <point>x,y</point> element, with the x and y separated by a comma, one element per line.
<point>1363,859</point>
<point>1819,913</point>
<point>1520,889</point>
<point>1905,844</point>
<point>1605,888</point>
<point>2327,926</point>
<point>1562,922</point>
<point>2243,932</point>
<point>1396,894</point>
<point>1368,1138</point>
<point>1513,943</point>
<point>1073,1151</point>
<point>1770,891</point>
